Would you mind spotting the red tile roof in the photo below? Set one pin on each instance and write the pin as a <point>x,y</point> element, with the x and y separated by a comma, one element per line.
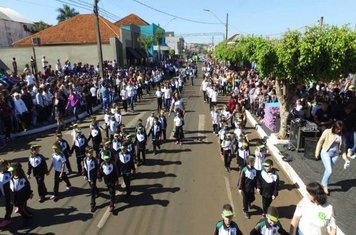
<point>79,29</point>
<point>131,19</point>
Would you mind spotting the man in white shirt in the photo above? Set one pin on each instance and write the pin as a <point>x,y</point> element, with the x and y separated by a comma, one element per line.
<point>21,110</point>
<point>203,88</point>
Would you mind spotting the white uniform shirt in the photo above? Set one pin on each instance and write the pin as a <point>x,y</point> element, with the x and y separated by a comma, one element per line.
<point>58,161</point>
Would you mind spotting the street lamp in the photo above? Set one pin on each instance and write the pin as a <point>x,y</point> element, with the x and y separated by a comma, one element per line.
<point>226,23</point>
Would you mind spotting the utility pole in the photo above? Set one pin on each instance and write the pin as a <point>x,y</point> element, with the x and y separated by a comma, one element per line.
<point>98,38</point>
<point>227,26</point>
<point>321,21</point>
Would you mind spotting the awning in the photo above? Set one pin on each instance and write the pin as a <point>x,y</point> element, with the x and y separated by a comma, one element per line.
<point>132,53</point>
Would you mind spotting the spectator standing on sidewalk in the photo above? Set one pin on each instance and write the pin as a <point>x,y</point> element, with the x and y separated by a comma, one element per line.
<point>329,147</point>
<point>14,65</point>
<point>73,104</point>
<point>314,215</point>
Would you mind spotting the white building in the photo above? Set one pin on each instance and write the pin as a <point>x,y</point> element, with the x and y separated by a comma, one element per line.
<point>175,43</point>
<point>13,27</point>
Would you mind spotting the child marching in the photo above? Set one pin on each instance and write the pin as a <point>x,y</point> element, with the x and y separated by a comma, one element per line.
<point>90,173</point>
<point>37,164</point>
<point>60,171</point>
<point>126,166</point>
<point>268,184</point>
<point>247,185</point>
<point>21,190</point>
<point>5,177</point>
<point>108,171</point>
<point>269,225</point>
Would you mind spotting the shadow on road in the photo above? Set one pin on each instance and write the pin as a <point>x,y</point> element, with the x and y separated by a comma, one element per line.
<point>151,175</point>
<point>160,162</point>
<point>145,198</point>
<point>53,216</point>
<point>286,211</point>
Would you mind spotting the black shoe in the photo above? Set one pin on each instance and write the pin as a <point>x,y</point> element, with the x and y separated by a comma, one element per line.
<point>42,199</point>
<point>93,208</point>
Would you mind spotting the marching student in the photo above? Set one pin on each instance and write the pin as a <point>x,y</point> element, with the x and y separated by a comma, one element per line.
<point>155,131</point>
<point>126,166</point>
<point>106,125</point>
<point>60,170</point>
<point>163,123</point>
<point>267,185</point>
<point>159,95</point>
<point>109,172</point>
<point>226,225</point>
<point>226,145</point>
<point>5,177</point>
<point>116,144</point>
<point>90,173</point>
<point>269,225</point>
<point>113,127</point>
<point>66,151</point>
<point>37,164</point>
<point>260,154</point>
<point>243,152</point>
<point>221,134</point>
<point>96,138</point>
<point>79,145</point>
<point>118,116</point>
<point>106,149</point>
<point>21,189</point>
<point>215,120</point>
<point>247,185</point>
<point>141,140</point>
<point>149,121</point>
<point>178,125</point>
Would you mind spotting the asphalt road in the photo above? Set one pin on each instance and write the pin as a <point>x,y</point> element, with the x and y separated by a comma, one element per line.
<point>179,191</point>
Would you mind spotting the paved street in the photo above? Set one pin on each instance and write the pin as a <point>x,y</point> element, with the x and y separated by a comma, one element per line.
<point>180,191</point>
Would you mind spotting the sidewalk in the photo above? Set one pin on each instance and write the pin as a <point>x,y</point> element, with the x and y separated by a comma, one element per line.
<point>303,171</point>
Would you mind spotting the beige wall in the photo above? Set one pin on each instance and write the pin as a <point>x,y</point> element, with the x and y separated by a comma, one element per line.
<point>11,31</point>
<point>75,53</point>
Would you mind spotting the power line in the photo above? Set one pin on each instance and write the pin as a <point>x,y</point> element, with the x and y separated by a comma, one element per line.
<point>103,11</point>
<point>84,7</point>
<point>175,16</point>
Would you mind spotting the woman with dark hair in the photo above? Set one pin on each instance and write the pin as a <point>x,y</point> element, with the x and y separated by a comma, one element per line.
<point>329,147</point>
<point>314,215</point>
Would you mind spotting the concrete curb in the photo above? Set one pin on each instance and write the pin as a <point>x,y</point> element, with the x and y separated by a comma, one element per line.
<point>286,167</point>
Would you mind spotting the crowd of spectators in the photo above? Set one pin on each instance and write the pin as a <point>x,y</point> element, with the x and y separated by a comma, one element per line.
<point>44,94</point>
<point>319,102</point>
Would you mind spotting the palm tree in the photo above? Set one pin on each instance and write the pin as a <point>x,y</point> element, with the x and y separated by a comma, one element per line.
<point>158,38</point>
<point>145,42</point>
<point>65,13</point>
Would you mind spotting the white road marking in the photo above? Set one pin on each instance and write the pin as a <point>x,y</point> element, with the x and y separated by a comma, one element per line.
<point>201,127</point>
<point>229,194</point>
<point>106,215</point>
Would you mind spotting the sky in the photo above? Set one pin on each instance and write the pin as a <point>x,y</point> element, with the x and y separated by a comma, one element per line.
<point>259,17</point>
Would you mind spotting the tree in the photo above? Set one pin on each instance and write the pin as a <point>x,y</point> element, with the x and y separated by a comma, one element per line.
<point>172,53</point>
<point>65,13</point>
<point>146,42</point>
<point>158,38</point>
<point>40,25</point>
